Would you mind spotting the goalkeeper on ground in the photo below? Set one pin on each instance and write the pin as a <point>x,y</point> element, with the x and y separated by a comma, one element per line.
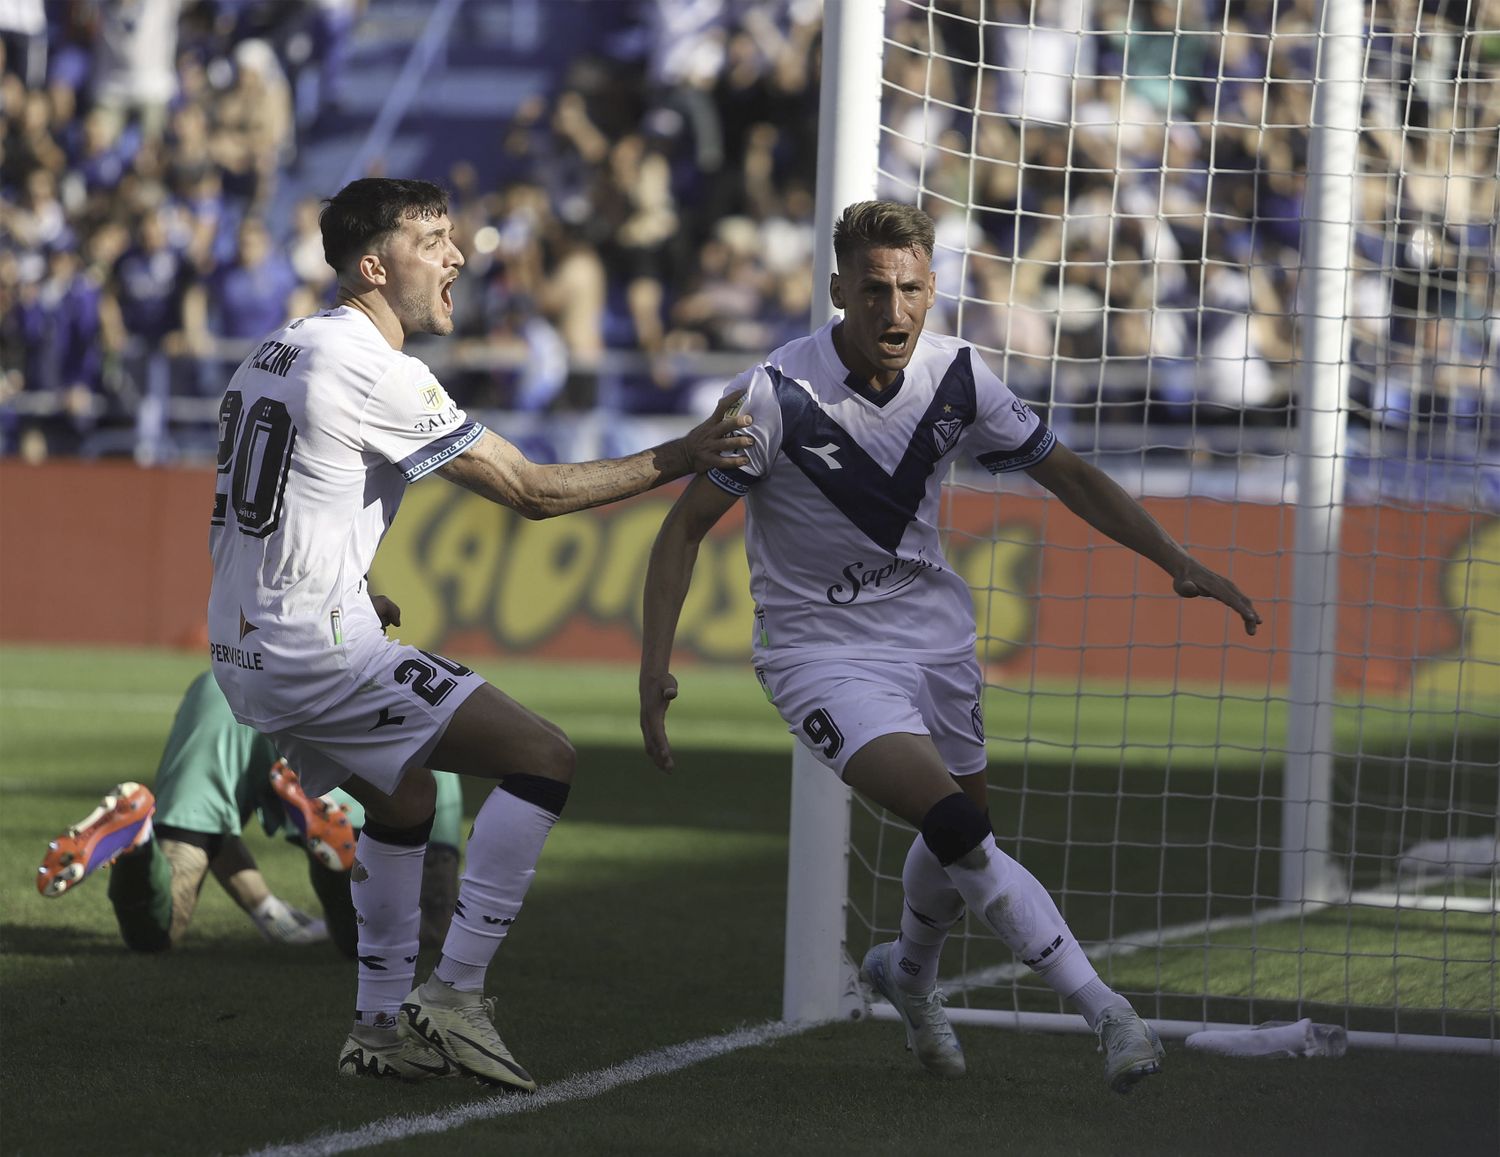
<point>215,774</point>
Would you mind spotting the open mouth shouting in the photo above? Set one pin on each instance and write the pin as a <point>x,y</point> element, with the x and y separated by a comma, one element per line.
<point>894,343</point>
<point>445,295</point>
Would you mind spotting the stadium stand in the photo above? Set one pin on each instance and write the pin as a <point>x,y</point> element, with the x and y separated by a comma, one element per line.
<point>633,184</point>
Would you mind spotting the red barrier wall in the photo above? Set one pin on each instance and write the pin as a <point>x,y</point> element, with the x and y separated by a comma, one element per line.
<point>109,553</point>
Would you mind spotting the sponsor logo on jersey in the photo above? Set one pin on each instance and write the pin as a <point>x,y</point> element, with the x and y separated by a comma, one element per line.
<point>1021,410</point>
<point>246,626</point>
<point>861,578</point>
<point>236,657</point>
<point>275,357</point>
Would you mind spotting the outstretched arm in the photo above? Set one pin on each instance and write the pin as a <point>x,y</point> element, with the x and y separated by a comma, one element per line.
<point>668,576</point>
<point>1096,498</point>
<point>494,469</point>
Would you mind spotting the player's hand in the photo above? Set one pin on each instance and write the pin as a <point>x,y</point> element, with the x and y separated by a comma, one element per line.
<point>657,693</point>
<point>389,612</point>
<point>717,442</point>
<point>1196,580</point>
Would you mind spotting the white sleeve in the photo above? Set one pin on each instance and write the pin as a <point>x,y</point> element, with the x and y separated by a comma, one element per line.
<point>411,422</point>
<point>764,431</point>
<point>1006,434</point>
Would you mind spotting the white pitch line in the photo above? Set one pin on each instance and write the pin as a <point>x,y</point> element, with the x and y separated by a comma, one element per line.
<point>154,703</point>
<point>32,699</point>
<point>578,1088</point>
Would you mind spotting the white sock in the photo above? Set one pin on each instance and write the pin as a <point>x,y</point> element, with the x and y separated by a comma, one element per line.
<point>1096,998</point>
<point>386,887</point>
<point>1015,906</point>
<point>499,865</point>
<point>932,906</point>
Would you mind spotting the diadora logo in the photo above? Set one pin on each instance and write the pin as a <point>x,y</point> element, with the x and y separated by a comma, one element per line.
<point>826,452</point>
<point>976,719</point>
<point>501,920</point>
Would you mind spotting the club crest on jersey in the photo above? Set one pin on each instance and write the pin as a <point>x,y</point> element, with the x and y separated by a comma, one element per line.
<point>945,432</point>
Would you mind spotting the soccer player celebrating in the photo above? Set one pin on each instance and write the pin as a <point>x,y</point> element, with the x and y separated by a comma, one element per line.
<point>321,430</point>
<point>864,635</point>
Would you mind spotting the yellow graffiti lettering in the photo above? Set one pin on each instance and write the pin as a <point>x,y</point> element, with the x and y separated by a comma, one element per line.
<point>616,591</point>
<point>464,549</point>
<point>456,563</point>
<point>402,570</point>
<point>1470,678</point>
<point>1001,574</point>
<point>723,613</point>
<point>548,568</point>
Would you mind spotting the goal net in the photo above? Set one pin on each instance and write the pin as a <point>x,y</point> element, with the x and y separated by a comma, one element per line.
<point>1242,256</point>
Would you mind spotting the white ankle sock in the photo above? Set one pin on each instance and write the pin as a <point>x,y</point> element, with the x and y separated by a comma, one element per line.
<point>500,863</point>
<point>1096,998</point>
<point>386,887</point>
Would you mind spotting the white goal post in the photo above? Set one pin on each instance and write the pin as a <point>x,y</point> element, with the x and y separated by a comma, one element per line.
<point>1291,347</point>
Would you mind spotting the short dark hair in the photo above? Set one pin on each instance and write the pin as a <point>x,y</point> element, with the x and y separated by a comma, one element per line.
<point>882,225</point>
<point>365,210</point>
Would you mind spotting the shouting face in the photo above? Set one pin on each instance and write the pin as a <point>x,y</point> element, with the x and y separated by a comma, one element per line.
<point>885,295</point>
<point>422,263</point>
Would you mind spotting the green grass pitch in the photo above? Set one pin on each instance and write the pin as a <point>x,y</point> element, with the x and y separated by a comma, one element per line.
<point>656,919</point>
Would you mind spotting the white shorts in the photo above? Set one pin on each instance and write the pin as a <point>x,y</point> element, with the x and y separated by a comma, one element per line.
<point>396,709</point>
<point>836,706</point>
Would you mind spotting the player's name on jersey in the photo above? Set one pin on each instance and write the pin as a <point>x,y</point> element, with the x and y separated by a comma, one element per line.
<point>275,357</point>
<point>236,657</point>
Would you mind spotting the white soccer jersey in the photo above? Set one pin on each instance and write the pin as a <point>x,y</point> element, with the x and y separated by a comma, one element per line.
<point>320,432</point>
<point>843,491</point>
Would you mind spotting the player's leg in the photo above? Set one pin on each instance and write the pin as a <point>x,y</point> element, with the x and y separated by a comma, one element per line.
<point>440,866</point>
<point>839,710</point>
<point>154,890</point>
<point>238,874</point>
<point>904,774</point>
<point>383,888</point>
<point>493,737</point>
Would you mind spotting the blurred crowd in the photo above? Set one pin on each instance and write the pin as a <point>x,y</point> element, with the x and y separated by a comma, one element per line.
<point>142,144</point>
<point>1119,185</point>
<point>1123,223</point>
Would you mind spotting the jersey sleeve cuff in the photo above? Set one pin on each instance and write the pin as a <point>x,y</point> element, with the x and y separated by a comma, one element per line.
<point>439,451</point>
<point>733,481</point>
<point>1024,456</point>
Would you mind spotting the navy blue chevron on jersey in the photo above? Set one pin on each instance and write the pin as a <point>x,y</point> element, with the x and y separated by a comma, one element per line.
<point>842,497</point>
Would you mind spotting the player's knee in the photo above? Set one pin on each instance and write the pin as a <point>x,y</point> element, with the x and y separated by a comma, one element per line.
<point>558,759</point>
<point>548,794</point>
<point>401,835</point>
<point>954,827</point>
